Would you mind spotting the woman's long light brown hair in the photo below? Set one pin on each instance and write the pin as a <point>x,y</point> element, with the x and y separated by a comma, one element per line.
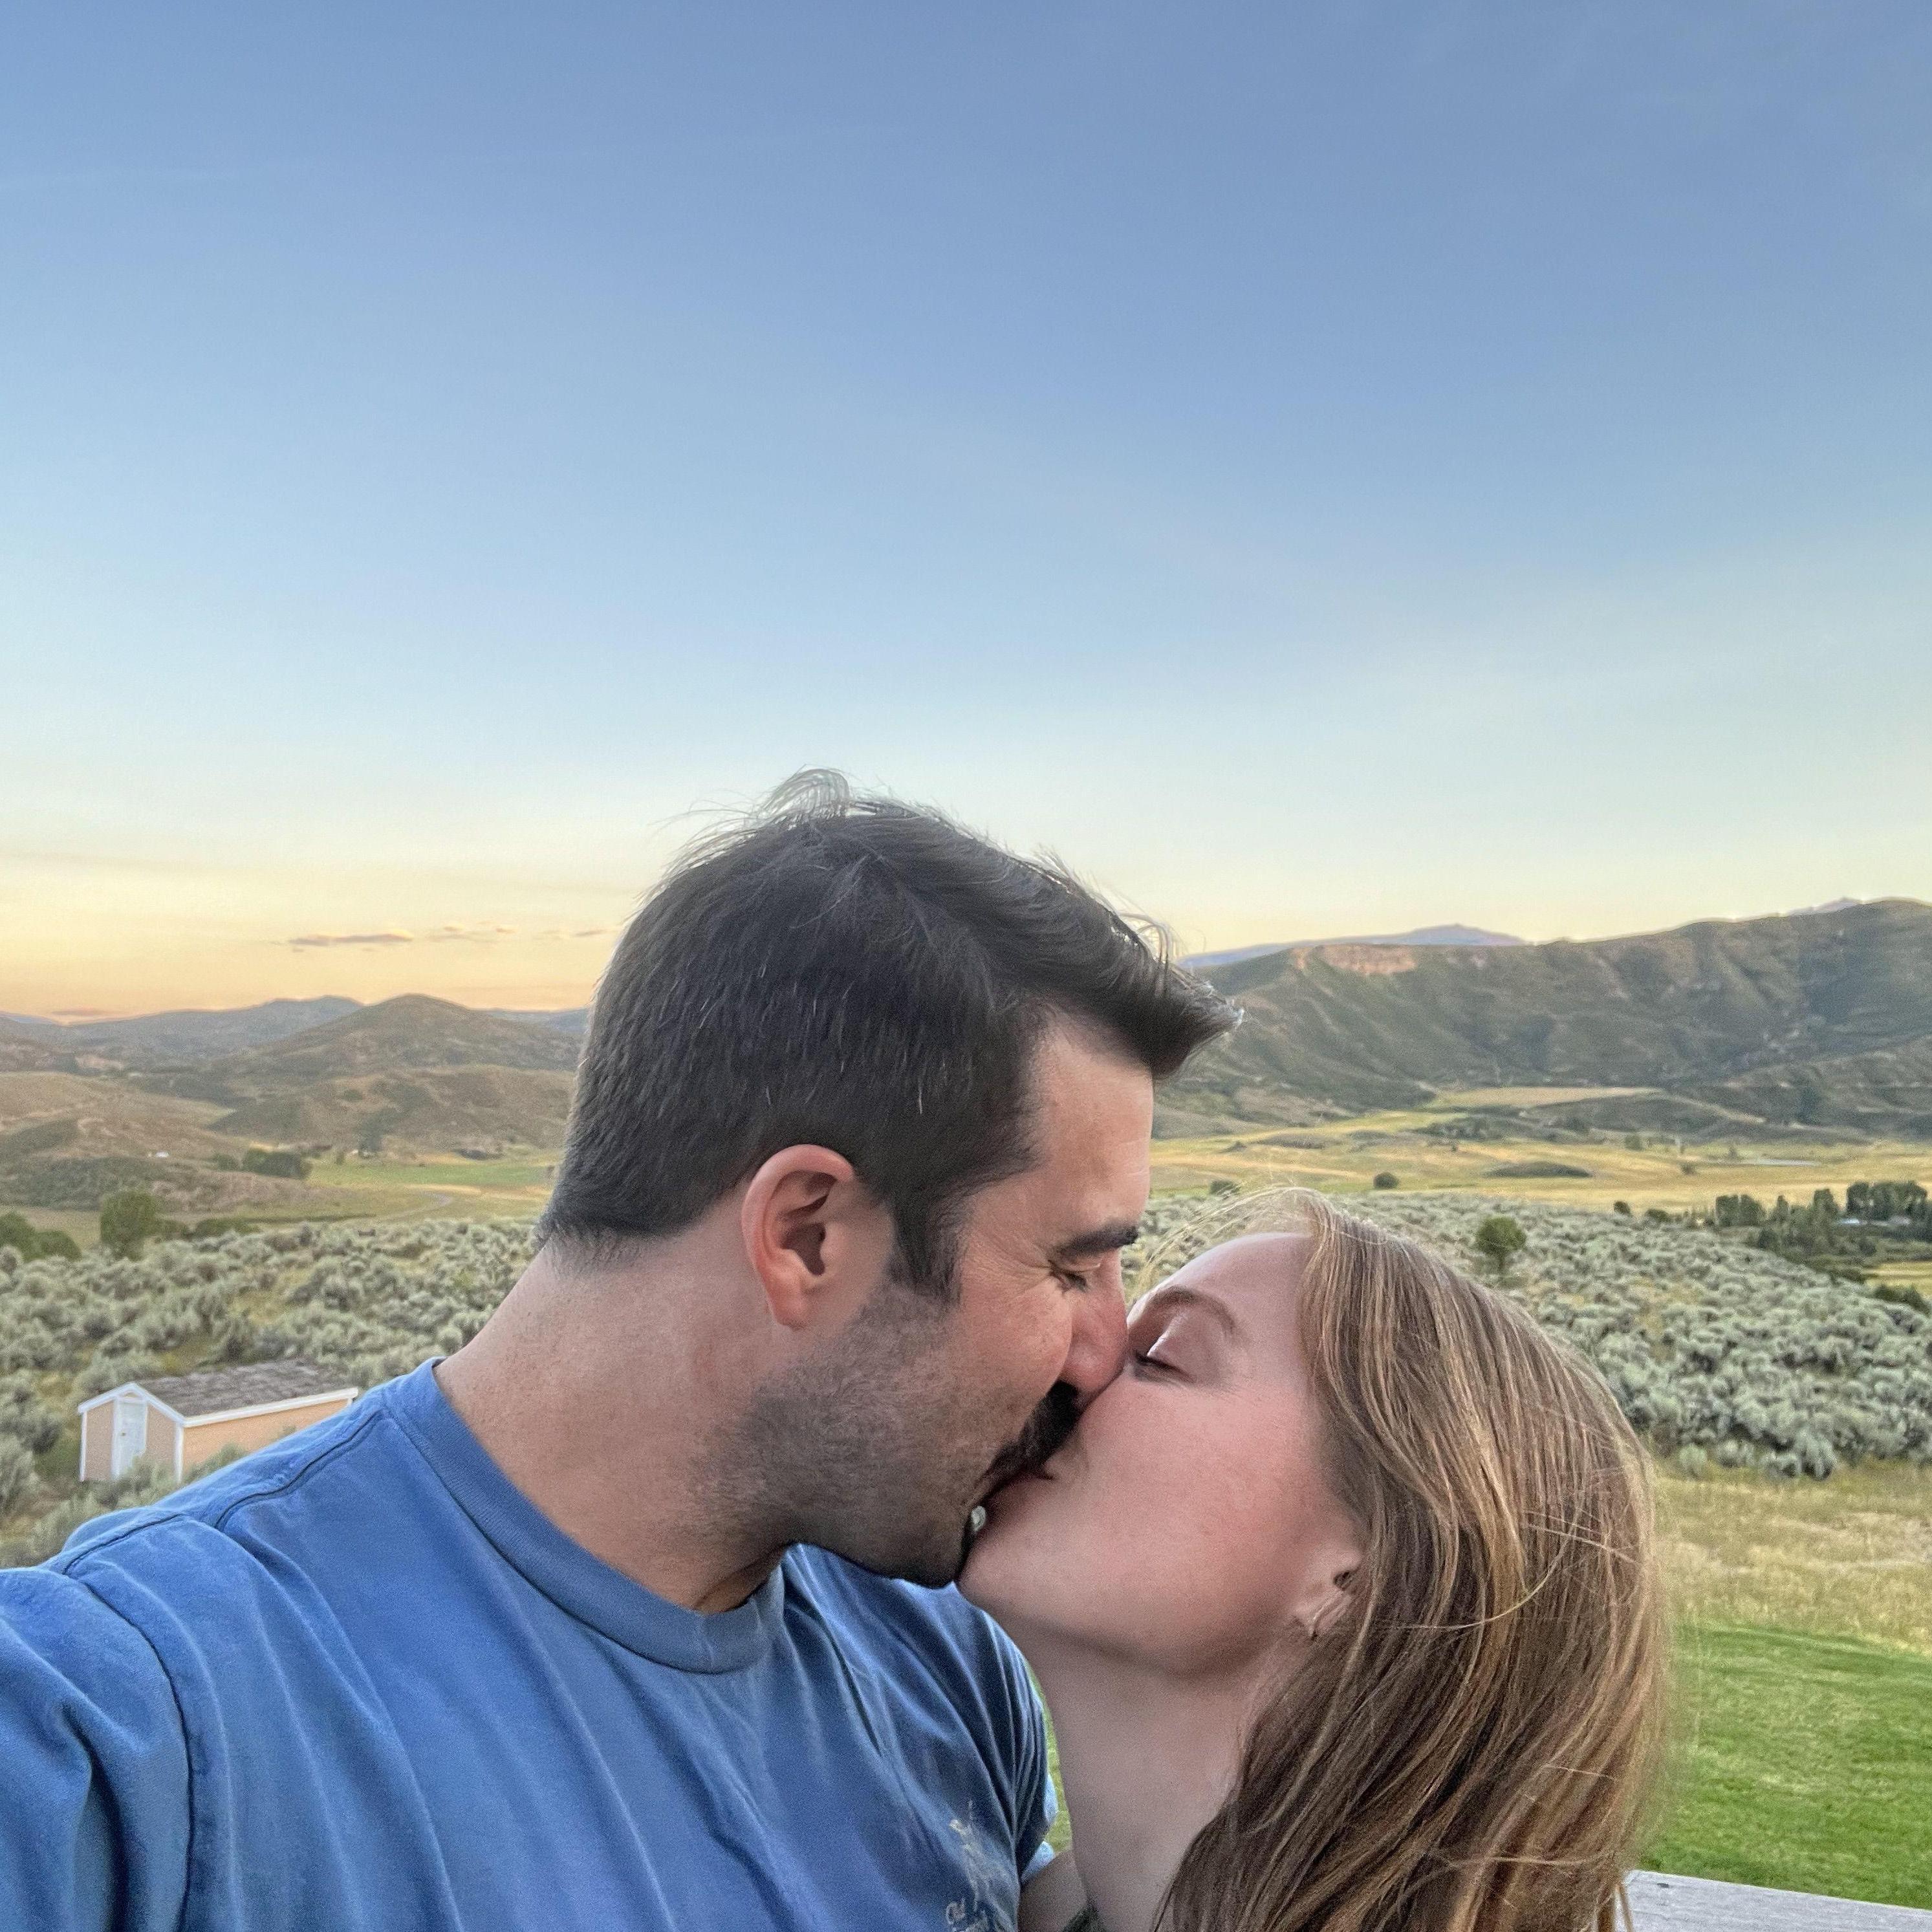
<point>1471,1749</point>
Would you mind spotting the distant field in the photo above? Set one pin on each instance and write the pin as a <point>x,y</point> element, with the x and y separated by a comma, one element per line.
<point>1850,1558</point>
<point>434,1185</point>
<point>1904,1274</point>
<point>1344,1157</point>
<point>408,1188</point>
<point>1339,1157</point>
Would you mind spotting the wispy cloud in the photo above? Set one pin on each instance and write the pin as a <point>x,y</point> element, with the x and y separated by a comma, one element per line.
<point>483,934</point>
<point>305,942</point>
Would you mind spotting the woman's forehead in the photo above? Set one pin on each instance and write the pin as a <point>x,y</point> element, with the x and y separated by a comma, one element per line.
<point>1248,1264</point>
<point>1256,1276</point>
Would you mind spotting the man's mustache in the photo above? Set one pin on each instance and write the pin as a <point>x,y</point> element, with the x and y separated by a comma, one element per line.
<point>1047,1428</point>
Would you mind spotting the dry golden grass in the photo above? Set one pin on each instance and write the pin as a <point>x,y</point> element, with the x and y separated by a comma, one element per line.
<point>1343,1156</point>
<point>1848,1557</point>
<point>110,1117</point>
<point>1905,1274</point>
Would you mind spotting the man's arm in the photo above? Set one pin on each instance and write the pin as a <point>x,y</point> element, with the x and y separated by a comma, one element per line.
<point>94,1805</point>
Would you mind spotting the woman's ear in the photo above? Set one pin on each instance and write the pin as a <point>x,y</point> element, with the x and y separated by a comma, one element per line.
<point>813,1235</point>
<point>1329,1597</point>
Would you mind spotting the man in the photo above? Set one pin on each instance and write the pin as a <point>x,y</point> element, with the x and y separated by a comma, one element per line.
<point>600,1622</point>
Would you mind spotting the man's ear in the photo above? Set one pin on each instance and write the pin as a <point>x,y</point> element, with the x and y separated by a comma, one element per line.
<point>814,1236</point>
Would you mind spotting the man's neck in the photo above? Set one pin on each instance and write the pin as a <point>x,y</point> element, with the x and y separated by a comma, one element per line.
<point>609,1406</point>
<point>1147,1761</point>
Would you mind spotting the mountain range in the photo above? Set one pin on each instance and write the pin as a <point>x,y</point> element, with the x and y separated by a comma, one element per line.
<point>1819,1021</point>
<point>159,1040</point>
<point>193,1036</point>
<point>1822,1019</point>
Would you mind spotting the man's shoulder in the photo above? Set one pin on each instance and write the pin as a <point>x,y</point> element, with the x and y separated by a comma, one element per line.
<point>202,1537</point>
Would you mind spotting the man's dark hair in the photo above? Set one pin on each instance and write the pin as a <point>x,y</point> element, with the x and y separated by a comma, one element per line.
<point>855,973</point>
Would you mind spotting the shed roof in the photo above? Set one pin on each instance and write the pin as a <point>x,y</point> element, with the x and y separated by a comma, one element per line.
<point>214,1391</point>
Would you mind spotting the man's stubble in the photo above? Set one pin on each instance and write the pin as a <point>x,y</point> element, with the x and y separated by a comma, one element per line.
<point>878,1450</point>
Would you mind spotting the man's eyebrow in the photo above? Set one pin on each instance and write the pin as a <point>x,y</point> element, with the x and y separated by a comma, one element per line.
<point>1098,1241</point>
<point>1178,1295</point>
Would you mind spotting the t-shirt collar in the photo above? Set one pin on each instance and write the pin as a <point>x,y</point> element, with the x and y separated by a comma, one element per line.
<point>582,1584</point>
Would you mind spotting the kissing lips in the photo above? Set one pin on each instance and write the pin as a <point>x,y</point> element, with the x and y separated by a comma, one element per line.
<point>1046,1430</point>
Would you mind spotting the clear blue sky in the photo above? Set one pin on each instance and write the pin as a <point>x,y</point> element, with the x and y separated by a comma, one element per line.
<point>1322,468</point>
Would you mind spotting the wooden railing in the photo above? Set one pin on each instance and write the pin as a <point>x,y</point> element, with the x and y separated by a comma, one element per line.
<point>1660,1902</point>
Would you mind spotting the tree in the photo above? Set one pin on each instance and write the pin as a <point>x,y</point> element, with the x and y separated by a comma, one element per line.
<point>33,1244</point>
<point>1499,1241</point>
<point>1884,1201</point>
<point>1620,1208</point>
<point>1386,1180</point>
<point>128,1220</point>
<point>283,1163</point>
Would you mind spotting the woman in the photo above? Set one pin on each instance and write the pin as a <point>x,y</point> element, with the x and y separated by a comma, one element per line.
<point>1343,1601</point>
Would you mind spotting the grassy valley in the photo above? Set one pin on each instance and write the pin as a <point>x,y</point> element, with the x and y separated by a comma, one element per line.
<point>1425,1148</point>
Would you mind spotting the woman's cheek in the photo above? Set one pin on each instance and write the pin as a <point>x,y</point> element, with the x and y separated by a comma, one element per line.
<point>1210,1545</point>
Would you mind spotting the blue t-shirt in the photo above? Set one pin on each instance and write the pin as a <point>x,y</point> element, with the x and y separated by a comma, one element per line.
<point>359,1683</point>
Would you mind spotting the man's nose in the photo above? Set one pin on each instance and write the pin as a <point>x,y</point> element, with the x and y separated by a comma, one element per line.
<point>1098,1351</point>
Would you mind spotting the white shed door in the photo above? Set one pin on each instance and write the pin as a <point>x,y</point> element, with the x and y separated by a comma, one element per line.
<point>130,1432</point>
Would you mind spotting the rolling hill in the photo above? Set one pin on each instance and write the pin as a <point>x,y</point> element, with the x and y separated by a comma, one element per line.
<point>23,1050</point>
<point>442,1107</point>
<point>410,1033</point>
<point>172,1039</point>
<point>1824,1018</point>
<point>65,1139</point>
<point>412,1073</point>
<point>574,1020</point>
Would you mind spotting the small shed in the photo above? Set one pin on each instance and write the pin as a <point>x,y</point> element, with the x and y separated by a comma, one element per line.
<point>180,1421</point>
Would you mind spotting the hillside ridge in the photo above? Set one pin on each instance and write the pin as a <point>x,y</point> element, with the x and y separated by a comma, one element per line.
<point>1775,1009</point>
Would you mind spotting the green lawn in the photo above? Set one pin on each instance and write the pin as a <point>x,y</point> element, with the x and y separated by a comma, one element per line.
<point>1802,1761</point>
